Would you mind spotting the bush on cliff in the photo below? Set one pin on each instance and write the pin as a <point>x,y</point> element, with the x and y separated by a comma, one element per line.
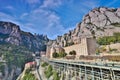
<point>48,72</point>
<point>55,76</point>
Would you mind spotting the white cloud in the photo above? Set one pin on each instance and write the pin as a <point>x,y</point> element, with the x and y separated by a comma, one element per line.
<point>6,16</point>
<point>39,20</point>
<point>23,15</point>
<point>43,20</point>
<point>51,22</point>
<point>26,27</point>
<point>10,7</point>
<point>33,1</point>
<point>29,27</point>
<point>51,3</point>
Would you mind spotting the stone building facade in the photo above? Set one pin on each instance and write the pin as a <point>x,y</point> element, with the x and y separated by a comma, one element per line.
<point>86,46</point>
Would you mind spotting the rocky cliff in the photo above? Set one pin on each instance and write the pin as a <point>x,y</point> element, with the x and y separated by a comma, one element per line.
<point>16,48</point>
<point>98,22</point>
<point>11,33</point>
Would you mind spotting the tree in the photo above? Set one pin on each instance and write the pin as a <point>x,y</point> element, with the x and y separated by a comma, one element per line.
<point>48,72</point>
<point>72,52</point>
<point>56,76</point>
<point>62,54</point>
<point>44,64</point>
<point>55,55</point>
<point>29,76</point>
<point>109,39</point>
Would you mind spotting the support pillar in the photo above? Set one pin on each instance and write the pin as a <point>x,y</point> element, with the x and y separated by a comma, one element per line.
<point>85,73</point>
<point>80,73</point>
<point>75,72</point>
<point>92,74</point>
<point>112,74</point>
<point>101,74</point>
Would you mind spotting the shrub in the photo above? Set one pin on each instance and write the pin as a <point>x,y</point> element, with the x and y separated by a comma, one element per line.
<point>72,52</point>
<point>27,71</point>
<point>48,72</point>
<point>55,55</point>
<point>109,39</point>
<point>29,76</point>
<point>62,54</point>
<point>116,24</point>
<point>55,76</point>
<point>44,64</point>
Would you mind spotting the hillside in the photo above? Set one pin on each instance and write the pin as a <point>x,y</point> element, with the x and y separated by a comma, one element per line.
<point>16,48</point>
<point>11,33</point>
<point>97,23</point>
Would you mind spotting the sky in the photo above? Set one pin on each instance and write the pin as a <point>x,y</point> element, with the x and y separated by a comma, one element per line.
<point>49,17</point>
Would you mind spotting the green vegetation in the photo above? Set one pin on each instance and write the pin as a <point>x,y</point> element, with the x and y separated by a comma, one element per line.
<point>48,72</point>
<point>44,64</point>
<point>62,54</point>
<point>109,39</point>
<point>93,32</point>
<point>55,76</point>
<point>59,55</point>
<point>2,67</point>
<point>116,24</point>
<point>69,44</point>
<point>28,75</point>
<point>55,55</point>
<point>97,52</point>
<point>15,55</point>
<point>3,36</point>
<point>72,52</point>
<point>111,50</point>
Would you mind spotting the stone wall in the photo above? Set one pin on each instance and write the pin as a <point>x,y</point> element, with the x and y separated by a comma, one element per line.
<point>114,46</point>
<point>91,46</point>
<point>86,47</point>
<point>48,50</point>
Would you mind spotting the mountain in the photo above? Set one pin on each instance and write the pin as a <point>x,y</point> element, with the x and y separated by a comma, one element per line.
<point>11,33</point>
<point>16,49</point>
<point>97,23</point>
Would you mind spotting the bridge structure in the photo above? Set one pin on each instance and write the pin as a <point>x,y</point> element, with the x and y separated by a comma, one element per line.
<point>80,70</point>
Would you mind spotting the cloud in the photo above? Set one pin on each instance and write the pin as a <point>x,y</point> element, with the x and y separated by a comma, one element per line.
<point>51,3</point>
<point>6,16</point>
<point>10,7</point>
<point>44,20</point>
<point>44,17</point>
<point>24,15</point>
<point>26,27</point>
<point>33,1</point>
<point>29,27</point>
<point>49,22</point>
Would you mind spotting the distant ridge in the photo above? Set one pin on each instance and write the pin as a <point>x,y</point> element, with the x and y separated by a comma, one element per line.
<point>11,33</point>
